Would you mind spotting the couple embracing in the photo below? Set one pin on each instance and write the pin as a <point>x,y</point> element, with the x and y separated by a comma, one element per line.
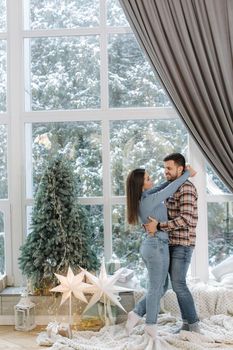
<point>169,215</point>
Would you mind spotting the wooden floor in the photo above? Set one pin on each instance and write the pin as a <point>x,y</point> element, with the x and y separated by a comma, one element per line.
<point>10,339</point>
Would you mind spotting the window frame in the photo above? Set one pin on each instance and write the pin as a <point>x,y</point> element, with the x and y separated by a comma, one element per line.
<point>16,117</point>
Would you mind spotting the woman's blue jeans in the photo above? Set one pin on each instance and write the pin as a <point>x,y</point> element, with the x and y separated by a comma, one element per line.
<point>155,254</point>
<point>180,257</point>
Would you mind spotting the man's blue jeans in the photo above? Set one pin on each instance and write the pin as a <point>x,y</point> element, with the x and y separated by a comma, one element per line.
<point>180,258</point>
<point>155,254</point>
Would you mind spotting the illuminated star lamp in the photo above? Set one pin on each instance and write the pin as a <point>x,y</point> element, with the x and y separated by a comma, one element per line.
<point>104,287</point>
<point>71,284</point>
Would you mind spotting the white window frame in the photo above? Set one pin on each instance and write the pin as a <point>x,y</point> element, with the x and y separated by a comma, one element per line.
<point>16,118</point>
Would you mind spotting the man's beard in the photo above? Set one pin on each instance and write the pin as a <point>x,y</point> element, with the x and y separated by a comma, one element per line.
<point>174,177</point>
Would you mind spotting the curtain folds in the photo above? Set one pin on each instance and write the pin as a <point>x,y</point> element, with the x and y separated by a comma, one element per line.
<point>189,44</point>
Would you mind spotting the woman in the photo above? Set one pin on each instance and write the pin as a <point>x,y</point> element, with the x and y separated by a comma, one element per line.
<point>143,202</point>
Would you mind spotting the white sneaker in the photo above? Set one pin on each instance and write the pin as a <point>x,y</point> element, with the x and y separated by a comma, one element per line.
<point>132,321</point>
<point>151,330</point>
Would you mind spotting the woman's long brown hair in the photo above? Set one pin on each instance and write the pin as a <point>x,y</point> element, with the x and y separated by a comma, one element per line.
<point>134,184</point>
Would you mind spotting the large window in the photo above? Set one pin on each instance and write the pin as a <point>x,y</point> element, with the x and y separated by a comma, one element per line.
<point>3,198</point>
<point>220,219</point>
<point>3,79</point>
<point>132,83</point>
<point>2,246</point>
<point>79,141</point>
<point>3,163</point>
<point>3,16</point>
<point>139,143</point>
<point>4,188</point>
<point>67,77</point>
<point>80,86</point>
<point>47,14</point>
<point>143,143</point>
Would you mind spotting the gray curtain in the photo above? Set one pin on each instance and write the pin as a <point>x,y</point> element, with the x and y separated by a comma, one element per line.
<point>189,43</point>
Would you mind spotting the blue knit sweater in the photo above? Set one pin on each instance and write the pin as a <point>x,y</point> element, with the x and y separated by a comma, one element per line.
<point>151,203</point>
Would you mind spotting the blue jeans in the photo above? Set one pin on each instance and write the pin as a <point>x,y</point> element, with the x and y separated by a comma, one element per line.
<point>155,254</point>
<point>180,258</point>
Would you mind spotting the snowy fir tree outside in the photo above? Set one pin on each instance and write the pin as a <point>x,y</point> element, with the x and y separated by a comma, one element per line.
<point>60,232</point>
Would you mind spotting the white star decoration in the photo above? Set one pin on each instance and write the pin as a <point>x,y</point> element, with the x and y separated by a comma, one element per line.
<point>104,286</point>
<point>71,284</point>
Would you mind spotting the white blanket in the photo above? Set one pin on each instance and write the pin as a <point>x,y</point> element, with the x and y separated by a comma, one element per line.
<point>217,333</point>
<point>214,307</point>
<point>209,300</point>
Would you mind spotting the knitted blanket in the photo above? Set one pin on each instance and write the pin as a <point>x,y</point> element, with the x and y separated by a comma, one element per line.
<point>217,333</point>
<point>214,306</point>
<point>209,300</point>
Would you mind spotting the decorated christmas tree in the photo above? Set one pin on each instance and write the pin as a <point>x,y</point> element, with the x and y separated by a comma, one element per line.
<point>60,231</point>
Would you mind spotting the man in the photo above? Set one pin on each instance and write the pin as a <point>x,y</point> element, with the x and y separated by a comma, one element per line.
<point>182,214</point>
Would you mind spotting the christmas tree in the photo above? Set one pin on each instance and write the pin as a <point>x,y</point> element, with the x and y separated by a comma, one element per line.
<point>60,232</point>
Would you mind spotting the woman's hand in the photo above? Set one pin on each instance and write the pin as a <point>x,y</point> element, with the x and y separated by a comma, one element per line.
<point>191,170</point>
<point>151,226</point>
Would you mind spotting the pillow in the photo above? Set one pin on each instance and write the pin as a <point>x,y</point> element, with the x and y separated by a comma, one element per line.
<point>227,280</point>
<point>225,267</point>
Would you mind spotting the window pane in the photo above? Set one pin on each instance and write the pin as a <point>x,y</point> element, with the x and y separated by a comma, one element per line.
<point>97,220</point>
<point>220,229</point>
<point>2,244</point>
<point>115,14</point>
<point>126,243</point>
<point>47,14</point>
<point>3,163</point>
<point>3,15</point>
<point>132,83</point>
<point>78,141</point>
<point>64,73</point>
<point>143,143</point>
<point>3,77</point>
<point>214,183</point>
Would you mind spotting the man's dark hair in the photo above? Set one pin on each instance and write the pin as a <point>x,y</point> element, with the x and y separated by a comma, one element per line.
<point>178,158</point>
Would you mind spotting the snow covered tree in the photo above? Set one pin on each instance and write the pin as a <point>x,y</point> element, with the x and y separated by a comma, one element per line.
<point>60,232</point>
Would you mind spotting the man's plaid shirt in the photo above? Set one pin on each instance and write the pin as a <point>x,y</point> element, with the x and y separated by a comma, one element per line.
<point>182,216</point>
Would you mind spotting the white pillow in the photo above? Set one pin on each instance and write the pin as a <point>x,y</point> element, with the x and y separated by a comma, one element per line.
<point>225,267</point>
<point>227,280</point>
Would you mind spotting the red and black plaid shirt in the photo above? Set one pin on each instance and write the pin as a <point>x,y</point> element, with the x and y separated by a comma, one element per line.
<point>182,216</point>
